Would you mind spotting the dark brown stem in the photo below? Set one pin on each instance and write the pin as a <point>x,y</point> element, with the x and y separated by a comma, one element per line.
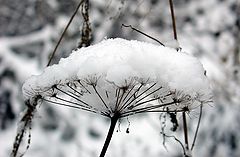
<point>185,129</point>
<point>66,28</point>
<point>173,19</point>
<point>114,120</point>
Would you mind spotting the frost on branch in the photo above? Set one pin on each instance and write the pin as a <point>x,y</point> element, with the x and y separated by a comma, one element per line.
<point>122,76</point>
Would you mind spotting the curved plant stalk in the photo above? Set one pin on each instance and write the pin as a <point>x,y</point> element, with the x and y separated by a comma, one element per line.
<point>123,25</point>
<point>198,125</point>
<point>64,32</point>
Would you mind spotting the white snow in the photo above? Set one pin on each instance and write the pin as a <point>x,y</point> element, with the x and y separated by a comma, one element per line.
<point>120,63</point>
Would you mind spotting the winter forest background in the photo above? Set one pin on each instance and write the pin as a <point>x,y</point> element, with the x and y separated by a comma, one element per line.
<point>208,29</point>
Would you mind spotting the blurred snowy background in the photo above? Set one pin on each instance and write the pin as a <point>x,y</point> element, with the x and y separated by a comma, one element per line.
<point>209,29</point>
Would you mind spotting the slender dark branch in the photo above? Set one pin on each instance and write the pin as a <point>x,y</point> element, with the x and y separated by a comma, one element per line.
<point>88,107</point>
<point>198,125</point>
<point>117,95</point>
<point>145,92</point>
<point>173,111</point>
<point>126,102</point>
<point>73,93</point>
<point>65,30</point>
<point>120,100</point>
<point>185,130</point>
<point>146,96</point>
<point>144,102</point>
<point>145,109</point>
<point>75,107</point>
<point>72,96</point>
<point>127,95</point>
<point>84,86</point>
<point>173,19</point>
<point>106,94</point>
<point>63,104</point>
<point>143,33</point>
<point>101,99</point>
<point>135,98</point>
<point>74,90</point>
<point>114,120</point>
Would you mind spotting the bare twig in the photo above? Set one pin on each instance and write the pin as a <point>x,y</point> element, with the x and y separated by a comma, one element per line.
<point>65,30</point>
<point>143,33</point>
<point>198,125</point>
<point>173,19</point>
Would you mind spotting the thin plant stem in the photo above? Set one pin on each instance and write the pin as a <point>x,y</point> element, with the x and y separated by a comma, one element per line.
<point>185,130</point>
<point>113,123</point>
<point>173,19</point>
<point>143,33</point>
<point>64,32</point>
<point>198,125</point>
<point>176,139</point>
<point>106,106</point>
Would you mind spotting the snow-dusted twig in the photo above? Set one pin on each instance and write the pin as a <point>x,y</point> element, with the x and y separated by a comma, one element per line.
<point>24,124</point>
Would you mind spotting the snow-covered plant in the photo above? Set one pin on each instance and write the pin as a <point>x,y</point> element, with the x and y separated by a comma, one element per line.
<point>117,78</point>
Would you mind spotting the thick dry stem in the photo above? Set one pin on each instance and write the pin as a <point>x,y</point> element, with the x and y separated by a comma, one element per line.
<point>114,120</point>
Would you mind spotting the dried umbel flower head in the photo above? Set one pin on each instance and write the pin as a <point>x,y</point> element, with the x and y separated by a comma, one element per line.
<point>117,75</point>
<point>118,78</point>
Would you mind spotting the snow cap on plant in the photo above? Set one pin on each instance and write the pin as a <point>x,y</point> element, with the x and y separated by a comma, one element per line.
<point>123,77</point>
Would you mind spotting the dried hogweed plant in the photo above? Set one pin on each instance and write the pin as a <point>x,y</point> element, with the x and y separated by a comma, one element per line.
<point>118,78</point>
